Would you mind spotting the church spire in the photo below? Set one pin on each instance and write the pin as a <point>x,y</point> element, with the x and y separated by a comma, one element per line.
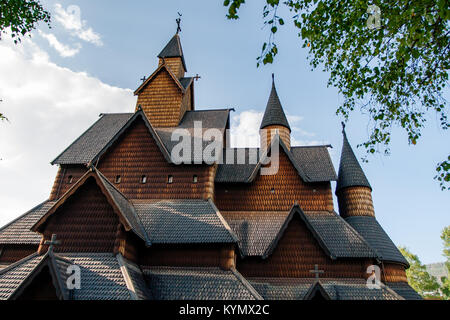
<point>173,54</point>
<point>274,114</point>
<point>274,121</point>
<point>353,190</point>
<point>350,172</point>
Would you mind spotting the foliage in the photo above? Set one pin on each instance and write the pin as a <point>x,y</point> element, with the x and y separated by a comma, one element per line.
<point>418,277</point>
<point>21,16</point>
<point>445,287</point>
<point>393,65</point>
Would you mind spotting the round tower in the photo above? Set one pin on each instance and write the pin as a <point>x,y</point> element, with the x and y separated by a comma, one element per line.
<point>274,121</point>
<point>353,190</point>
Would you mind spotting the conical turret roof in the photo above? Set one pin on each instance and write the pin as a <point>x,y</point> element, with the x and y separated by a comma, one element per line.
<point>350,172</point>
<point>173,49</point>
<point>274,114</point>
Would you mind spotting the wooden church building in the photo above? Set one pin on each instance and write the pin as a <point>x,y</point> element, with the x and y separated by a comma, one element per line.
<point>125,221</point>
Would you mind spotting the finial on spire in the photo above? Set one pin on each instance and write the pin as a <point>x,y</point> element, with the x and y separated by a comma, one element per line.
<point>273,77</point>
<point>343,127</point>
<point>178,20</point>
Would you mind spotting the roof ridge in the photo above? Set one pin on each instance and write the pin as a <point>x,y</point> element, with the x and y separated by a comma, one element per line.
<point>246,284</point>
<point>19,262</point>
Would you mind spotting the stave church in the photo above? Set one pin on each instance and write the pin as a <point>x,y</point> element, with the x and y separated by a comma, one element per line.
<point>125,221</point>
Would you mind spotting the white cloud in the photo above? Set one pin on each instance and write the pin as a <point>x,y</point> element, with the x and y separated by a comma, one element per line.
<point>70,19</point>
<point>245,130</point>
<point>63,50</point>
<point>48,107</point>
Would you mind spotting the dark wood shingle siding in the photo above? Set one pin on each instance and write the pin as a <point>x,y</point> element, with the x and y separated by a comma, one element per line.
<point>136,154</point>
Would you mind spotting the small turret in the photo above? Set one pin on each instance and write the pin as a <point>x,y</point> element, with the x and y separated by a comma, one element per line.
<point>353,189</point>
<point>172,55</point>
<point>274,121</point>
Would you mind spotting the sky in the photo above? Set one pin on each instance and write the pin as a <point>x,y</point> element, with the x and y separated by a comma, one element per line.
<point>55,84</point>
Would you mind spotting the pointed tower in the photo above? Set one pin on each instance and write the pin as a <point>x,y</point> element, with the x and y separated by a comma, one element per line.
<point>167,94</point>
<point>172,55</point>
<point>274,121</point>
<point>353,189</point>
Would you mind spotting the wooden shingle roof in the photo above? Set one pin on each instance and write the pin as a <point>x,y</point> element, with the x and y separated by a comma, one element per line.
<point>184,221</point>
<point>259,232</point>
<point>274,114</point>
<point>173,49</point>
<point>369,228</point>
<point>18,231</point>
<point>176,283</point>
<point>104,276</point>
<point>335,289</point>
<point>350,172</point>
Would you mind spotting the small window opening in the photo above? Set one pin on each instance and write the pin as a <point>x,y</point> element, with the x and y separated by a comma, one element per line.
<point>118,179</point>
<point>195,178</point>
<point>169,179</point>
<point>70,179</point>
<point>272,190</point>
<point>144,179</point>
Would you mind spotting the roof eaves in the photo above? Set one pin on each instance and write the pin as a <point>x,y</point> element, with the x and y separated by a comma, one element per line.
<point>142,234</point>
<point>126,276</point>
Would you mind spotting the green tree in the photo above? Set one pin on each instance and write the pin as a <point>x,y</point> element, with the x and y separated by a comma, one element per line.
<point>388,58</point>
<point>418,277</point>
<point>445,287</point>
<point>21,16</point>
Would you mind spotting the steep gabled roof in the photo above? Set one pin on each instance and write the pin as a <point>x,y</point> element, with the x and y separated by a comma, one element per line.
<point>313,161</point>
<point>184,283</point>
<point>260,232</point>
<point>333,288</point>
<point>155,73</point>
<point>185,221</point>
<point>103,276</point>
<point>116,199</point>
<point>173,49</point>
<point>336,237</point>
<point>18,231</point>
<point>274,114</point>
<point>93,140</point>
<point>350,172</point>
<point>369,228</point>
<point>103,133</point>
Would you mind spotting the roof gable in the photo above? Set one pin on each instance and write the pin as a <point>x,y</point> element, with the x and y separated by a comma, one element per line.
<point>162,67</point>
<point>333,234</point>
<point>117,200</point>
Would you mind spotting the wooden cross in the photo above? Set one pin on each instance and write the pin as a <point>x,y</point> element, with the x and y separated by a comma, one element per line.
<point>143,78</point>
<point>53,242</point>
<point>197,77</point>
<point>316,271</point>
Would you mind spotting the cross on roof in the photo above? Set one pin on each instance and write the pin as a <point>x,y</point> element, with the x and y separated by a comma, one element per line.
<point>53,242</point>
<point>316,271</point>
<point>197,77</point>
<point>143,78</point>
